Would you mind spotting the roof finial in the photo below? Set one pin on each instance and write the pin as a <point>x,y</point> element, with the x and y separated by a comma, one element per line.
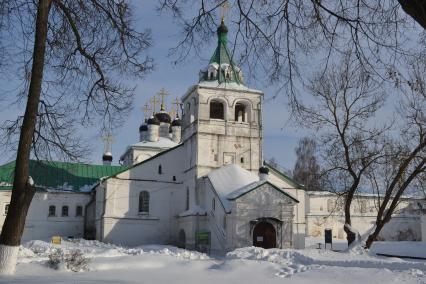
<point>177,103</point>
<point>162,93</point>
<point>154,102</point>
<point>107,156</point>
<point>223,10</point>
<point>146,110</point>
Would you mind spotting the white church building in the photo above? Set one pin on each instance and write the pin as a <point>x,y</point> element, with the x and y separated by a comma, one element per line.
<point>197,182</point>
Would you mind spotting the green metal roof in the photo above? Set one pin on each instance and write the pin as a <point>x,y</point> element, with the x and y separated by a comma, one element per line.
<point>52,175</point>
<point>288,179</point>
<point>223,56</point>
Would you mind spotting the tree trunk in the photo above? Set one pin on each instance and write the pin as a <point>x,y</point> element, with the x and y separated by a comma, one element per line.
<point>23,187</point>
<point>350,235</point>
<point>373,237</point>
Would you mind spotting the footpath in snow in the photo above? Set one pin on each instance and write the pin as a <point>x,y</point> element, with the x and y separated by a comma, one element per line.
<point>108,263</point>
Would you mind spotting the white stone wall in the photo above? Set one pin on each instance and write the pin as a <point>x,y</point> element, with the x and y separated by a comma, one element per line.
<point>40,226</point>
<point>218,142</point>
<point>423,227</point>
<point>262,202</point>
<point>299,222</point>
<point>215,223</point>
<point>121,221</point>
<point>325,211</point>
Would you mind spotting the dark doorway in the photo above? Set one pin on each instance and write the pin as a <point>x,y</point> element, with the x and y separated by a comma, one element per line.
<point>182,239</point>
<point>264,235</point>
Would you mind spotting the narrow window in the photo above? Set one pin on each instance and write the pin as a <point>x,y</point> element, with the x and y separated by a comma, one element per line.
<point>330,205</point>
<point>224,222</point>
<point>79,211</point>
<point>240,112</point>
<point>214,204</point>
<point>144,202</point>
<point>65,211</point>
<point>187,199</point>
<point>363,206</point>
<point>174,178</point>
<point>6,208</point>
<point>160,170</point>
<point>52,210</point>
<point>217,110</point>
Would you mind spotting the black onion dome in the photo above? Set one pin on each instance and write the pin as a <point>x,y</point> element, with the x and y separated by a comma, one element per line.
<point>107,157</point>
<point>153,120</point>
<point>177,122</point>
<point>143,127</point>
<point>263,170</point>
<point>163,117</point>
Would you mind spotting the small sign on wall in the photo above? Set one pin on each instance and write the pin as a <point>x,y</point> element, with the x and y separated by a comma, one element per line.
<point>259,238</point>
<point>56,240</point>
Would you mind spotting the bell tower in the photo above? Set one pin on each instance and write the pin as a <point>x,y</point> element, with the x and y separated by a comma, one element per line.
<point>221,116</point>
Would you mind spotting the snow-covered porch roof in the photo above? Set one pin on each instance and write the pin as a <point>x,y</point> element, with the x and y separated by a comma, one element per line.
<point>232,181</point>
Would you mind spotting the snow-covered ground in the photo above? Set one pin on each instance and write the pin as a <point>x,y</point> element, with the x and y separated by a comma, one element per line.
<point>166,264</point>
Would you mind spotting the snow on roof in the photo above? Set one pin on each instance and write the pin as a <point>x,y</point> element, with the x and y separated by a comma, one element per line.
<point>161,143</point>
<point>247,188</point>
<point>227,85</point>
<point>358,194</point>
<point>193,211</point>
<point>243,190</point>
<point>227,179</point>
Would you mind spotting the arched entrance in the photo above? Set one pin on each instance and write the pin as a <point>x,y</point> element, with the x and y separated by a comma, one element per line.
<point>264,235</point>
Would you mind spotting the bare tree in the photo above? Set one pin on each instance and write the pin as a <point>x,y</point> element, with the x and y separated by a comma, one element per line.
<point>306,170</point>
<point>73,53</point>
<point>404,165</point>
<point>344,101</point>
<point>281,42</point>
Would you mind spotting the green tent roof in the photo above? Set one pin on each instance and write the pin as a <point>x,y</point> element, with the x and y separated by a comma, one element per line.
<point>49,175</point>
<point>223,56</point>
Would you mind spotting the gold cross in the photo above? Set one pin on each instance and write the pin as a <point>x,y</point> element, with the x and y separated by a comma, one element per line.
<point>162,93</point>
<point>176,102</point>
<point>108,140</point>
<point>172,113</point>
<point>146,109</point>
<point>154,102</point>
<point>224,7</point>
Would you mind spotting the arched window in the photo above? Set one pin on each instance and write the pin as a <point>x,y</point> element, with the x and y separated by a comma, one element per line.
<point>52,210</point>
<point>160,170</point>
<point>240,113</point>
<point>64,211</point>
<point>217,110</point>
<point>144,202</point>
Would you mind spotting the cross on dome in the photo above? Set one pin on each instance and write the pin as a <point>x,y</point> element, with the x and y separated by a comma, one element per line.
<point>162,93</point>
<point>221,67</point>
<point>154,102</point>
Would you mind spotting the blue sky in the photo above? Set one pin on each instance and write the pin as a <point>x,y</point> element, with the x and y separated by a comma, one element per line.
<point>279,138</point>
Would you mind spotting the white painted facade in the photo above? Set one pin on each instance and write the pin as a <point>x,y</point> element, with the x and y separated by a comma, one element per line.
<point>198,175</point>
<point>40,226</point>
<point>324,210</point>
